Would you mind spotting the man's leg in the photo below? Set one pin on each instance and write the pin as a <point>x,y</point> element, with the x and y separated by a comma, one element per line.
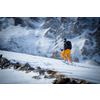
<point>63,55</point>
<point>69,58</point>
<point>67,52</point>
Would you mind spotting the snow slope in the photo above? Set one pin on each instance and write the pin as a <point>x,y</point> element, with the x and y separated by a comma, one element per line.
<point>11,76</point>
<point>77,70</point>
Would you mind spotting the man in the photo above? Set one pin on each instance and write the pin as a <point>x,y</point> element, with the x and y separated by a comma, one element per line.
<point>66,50</point>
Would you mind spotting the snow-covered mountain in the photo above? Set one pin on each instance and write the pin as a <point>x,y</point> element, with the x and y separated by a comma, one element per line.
<point>42,36</point>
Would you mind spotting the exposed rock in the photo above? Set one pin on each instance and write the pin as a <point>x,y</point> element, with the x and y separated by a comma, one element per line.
<point>57,75</point>
<point>25,67</point>
<point>76,79</point>
<point>31,68</point>
<point>53,74</point>
<point>36,77</point>
<point>41,72</point>
<point>18,21</point>
<point>6,65</point>
<point>0,55</point>
<point>0,65</point>
<point>45,76</point>
<point>84,58</point>
<point>35,19</point>
<point>0,60</point>
<point>82,81</point>
<point>54,82</point>
<point>76,59</point>
<point>86,42</point>
<point>87,82</point>
<point>50,76</point>
<point>4,61</point>
<point>73,82</point>
<point>61,80</point>
<point>10,66</point>
<point>16,65</point>
<point>35,70</point>
<point>49,71</point>
<point>38,68</point>
<point>85,51</point>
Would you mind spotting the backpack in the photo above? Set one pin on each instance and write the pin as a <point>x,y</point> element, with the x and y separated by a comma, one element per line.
<point>69,45</point>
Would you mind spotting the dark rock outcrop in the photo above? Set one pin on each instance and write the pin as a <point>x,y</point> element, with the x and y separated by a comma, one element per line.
<point>61,80</point>
<point>49,71</point>
<point>0,55</point>
<point>25,67</point>
<point>4,61</point>
<point>41,72</point>
<point>16,65</point>
<point>31,69</point>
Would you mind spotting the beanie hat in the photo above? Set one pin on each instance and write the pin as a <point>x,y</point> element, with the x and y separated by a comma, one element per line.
<point>65,39</point>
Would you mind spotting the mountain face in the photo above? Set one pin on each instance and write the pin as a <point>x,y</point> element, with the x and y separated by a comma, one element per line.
<point>42,36</point>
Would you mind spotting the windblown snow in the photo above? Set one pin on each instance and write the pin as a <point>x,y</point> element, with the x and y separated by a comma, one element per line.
<point>77,70</point>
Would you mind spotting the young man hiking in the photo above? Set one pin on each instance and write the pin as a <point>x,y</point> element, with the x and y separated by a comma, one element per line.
<point>66,50</point>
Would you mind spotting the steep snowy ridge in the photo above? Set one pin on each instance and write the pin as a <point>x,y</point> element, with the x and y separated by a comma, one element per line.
<point>77,70</point>
<point>42,36</point>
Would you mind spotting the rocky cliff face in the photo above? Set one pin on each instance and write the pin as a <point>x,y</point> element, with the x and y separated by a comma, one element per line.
<point>43,36</point>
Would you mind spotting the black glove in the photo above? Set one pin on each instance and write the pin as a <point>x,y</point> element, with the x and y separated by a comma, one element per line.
<point>61,49</point>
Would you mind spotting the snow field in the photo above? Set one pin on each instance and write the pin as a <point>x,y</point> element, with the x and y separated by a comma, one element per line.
<point>77,70</point>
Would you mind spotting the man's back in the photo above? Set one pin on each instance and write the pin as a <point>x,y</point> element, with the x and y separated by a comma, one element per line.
<point>67,45</point>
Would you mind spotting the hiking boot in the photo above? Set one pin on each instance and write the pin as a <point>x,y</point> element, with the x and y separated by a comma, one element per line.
<point>70,63</point>
<point>65,61</point>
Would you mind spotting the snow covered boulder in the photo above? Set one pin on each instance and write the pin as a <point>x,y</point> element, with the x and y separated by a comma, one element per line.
<point>25,67</point>
<point>16,65</point>
<point>38,68</point>
<point>45,76</point>
<point>4,61</point>
<point>41,72</point>
<point>49,71</point>
<point>54,73</point>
